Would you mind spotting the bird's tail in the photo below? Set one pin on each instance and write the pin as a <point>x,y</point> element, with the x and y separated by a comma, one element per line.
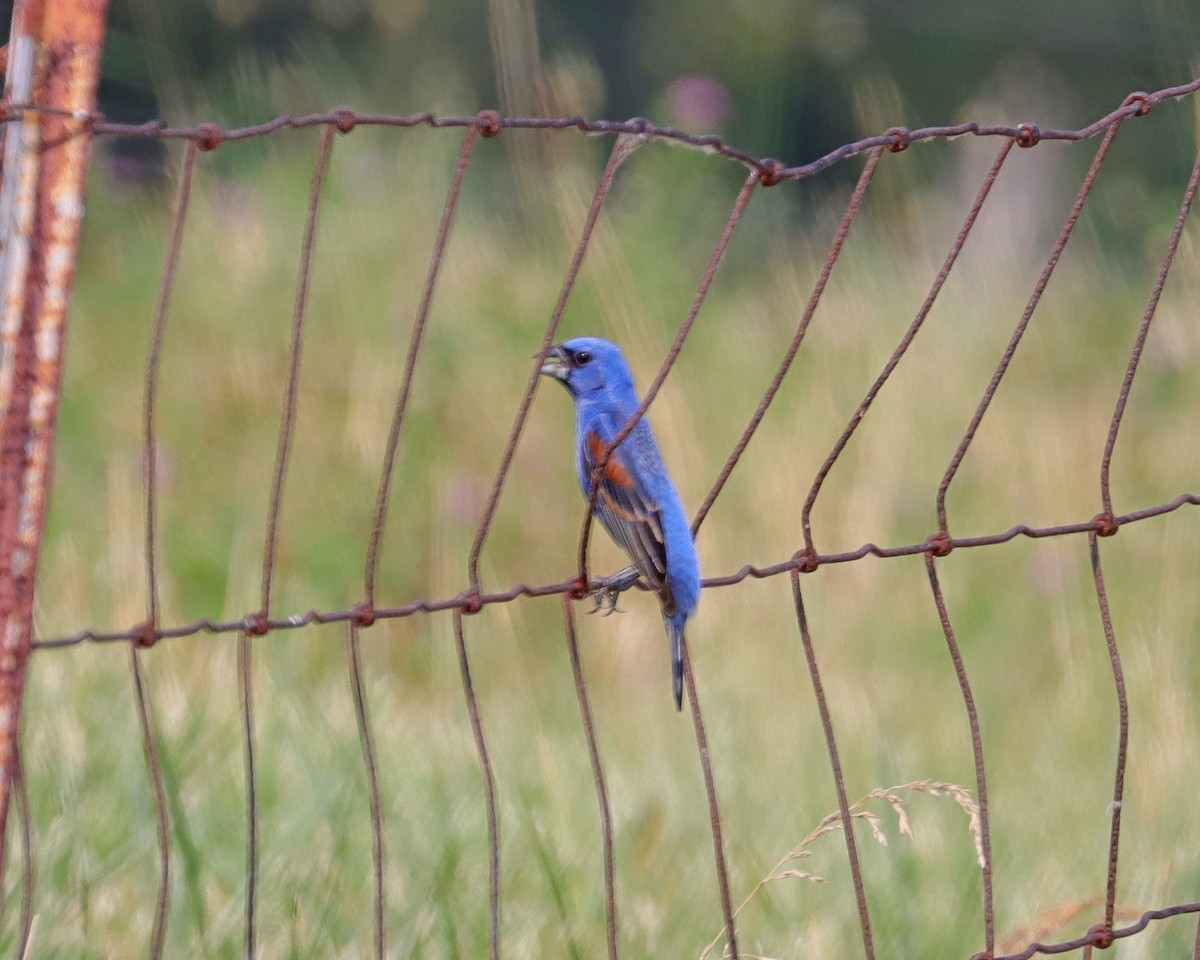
<point>675,633</point>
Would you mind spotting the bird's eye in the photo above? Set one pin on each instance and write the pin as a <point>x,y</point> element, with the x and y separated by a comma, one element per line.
<point>582,358</point>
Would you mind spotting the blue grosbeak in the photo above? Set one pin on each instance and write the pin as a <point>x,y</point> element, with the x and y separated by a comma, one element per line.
<point>636,501</point>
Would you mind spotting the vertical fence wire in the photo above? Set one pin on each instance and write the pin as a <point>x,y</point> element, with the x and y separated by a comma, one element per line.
<point>985,834</point>
<point>1143,332</point>
<point>288,419</point>
<point>839,781</point>
<point>246,703</point>
<point>905,342</point>
<point>1109,527</point>
<point>153,376</point>
<point>489,789</point>
<point>377,529</point>
<point>366,740</point>
<point>162,824</point>
<point>1110,886</point>
<point>1014,341</point>
<point>379,521</point>
<point>410,366</point>
<point>150,481</point>
<point>270,541</point>
<point>714,810</point>
<point>589,730</point>
<point>810,308</point>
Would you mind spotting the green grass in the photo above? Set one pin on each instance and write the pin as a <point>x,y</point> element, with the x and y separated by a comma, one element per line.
<point>1025,613</point>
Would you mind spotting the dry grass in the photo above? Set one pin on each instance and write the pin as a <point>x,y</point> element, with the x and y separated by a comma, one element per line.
<point>858,811</point>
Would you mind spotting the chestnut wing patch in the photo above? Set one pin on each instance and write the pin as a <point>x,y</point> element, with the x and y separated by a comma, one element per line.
<point>630,518</point>
<point>613,471</point>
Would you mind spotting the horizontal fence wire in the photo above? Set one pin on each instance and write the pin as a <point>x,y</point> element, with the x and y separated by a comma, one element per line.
<point>490,122</point>
<point>762,173</point>
<point>473,603</point>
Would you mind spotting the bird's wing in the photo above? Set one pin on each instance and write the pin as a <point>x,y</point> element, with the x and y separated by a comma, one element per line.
<point>628,511</point>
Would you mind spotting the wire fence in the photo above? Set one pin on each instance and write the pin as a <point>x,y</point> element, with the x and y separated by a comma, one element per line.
<point>78,125</point>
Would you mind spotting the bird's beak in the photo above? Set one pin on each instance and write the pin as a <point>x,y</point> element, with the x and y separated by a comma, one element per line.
<point>556,363</point>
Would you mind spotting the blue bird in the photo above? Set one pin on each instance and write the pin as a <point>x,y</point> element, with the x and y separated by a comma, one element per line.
<point>636,502</point>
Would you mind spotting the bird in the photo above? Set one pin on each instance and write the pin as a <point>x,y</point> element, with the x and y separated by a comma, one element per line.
<point>636,502</point>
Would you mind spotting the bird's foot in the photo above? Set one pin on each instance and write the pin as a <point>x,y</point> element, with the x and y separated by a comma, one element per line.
<point>607,590</point>
<point>604,599</point>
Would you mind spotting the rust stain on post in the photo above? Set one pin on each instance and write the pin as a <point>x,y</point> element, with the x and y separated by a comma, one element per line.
<point>54,62</point>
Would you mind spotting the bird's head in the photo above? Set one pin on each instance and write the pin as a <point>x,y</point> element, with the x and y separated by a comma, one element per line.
<point>587,365</point>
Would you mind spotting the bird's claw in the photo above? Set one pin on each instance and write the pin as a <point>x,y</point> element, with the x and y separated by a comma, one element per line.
<point>608,590</point>
<point>605,599</point>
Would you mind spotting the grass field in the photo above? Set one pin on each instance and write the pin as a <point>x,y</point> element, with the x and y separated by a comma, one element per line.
<point>1025,613</point>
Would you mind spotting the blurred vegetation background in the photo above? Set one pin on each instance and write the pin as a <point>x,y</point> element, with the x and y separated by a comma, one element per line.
<point>785,78</point>
<point>790,80</point>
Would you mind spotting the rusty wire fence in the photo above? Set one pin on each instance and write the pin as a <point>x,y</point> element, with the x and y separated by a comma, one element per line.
<point>24,483</point>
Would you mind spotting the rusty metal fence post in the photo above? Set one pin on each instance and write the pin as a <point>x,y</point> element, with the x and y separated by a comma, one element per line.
<point>49,98</point>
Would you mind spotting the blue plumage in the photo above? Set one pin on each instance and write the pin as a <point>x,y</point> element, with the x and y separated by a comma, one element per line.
<point>636,502</point>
